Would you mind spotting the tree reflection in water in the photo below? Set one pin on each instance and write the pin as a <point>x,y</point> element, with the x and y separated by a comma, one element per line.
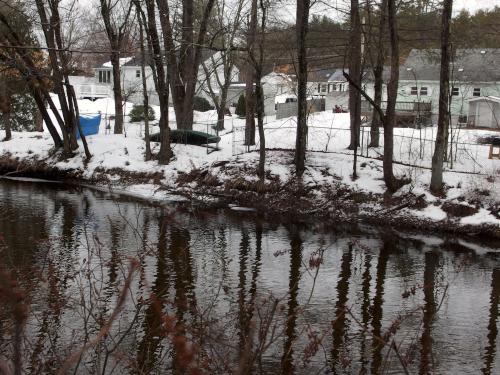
<point>287,365</point>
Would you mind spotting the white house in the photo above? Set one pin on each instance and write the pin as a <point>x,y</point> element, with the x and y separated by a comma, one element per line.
<point>131,79</point>
<point>474,73</point>
<point>277,88</point>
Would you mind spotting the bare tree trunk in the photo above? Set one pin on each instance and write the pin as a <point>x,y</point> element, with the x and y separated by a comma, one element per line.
<point>301,139</point>
<point>6,109</point>
<point>392,93</point>
<point>221,110</point>
<point>6,124</point>
<point>183,60</point>
<point>72,96</point>
<point>436,186</point>
<point>41,104</point>
<point>355,73</point>
<point>261,173</point>
<point>117,92</point>
<point>116,29</point>
<point>145,93</point>
<point>378,72</point>
<point>39,121</point>
<point>250,78</point>
<point>58,57</point>
<point>161,81</point>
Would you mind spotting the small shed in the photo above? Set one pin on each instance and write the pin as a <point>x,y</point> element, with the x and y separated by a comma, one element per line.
<point>484,112</point>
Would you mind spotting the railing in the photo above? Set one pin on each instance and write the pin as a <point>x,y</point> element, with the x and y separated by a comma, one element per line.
<point>414,107</point>
<point>92,91</point>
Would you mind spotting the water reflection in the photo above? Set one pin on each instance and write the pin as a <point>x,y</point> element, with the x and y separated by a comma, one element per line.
<point>429,286</point>
<point>340,318</point>
<point>287,365</point>
<point>491,348</point>
<point>185,297</point>
<point>365,313</point>
<point>206,280</point>
<point>378,301</point>
<point>149,346</point>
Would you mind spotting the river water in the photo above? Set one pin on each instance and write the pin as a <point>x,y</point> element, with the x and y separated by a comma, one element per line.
<point>113,285</point>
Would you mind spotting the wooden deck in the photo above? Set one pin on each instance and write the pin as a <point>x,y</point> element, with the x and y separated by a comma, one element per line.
<point>408,114</point>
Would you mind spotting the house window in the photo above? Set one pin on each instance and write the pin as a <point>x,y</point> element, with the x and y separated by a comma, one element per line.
<point>462,119</point>
<point>476,91</point>
<point>104,76</point>
<point>324,88</point>
<point>423,91</point>
<point>455,91</point>
<point>414,90</point>
<point>334,87</point>
<point>137,74</point>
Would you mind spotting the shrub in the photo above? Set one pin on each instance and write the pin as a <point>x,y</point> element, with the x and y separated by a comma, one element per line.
<point>137,113</point>
<point>241,107</point>
<point>201,104</point>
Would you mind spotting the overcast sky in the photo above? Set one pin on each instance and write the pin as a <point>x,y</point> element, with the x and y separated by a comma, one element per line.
<point>473,5</point>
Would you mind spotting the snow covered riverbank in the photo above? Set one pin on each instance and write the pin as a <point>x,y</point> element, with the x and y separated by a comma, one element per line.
<point>471,204</point>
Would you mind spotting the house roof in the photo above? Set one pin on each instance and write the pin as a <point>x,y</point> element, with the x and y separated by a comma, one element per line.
<point>320,75</point>
<point>468,65</point>
<point>148,59</point>
<point>123,61</point>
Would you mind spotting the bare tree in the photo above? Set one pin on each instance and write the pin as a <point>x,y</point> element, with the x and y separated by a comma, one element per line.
<point>51,23</point>
<point>184,57</point>
<point>392,183</point>
<point>160,77</point>
<point>436,185</point>
<point>116,16</point>
<point>5,108</point>
<point>259,92</point>
<point>378,70</point>
<point>301,139</point>
<point>228,28</point>
<point>355,73</point>
<point>147,155</point>
<point>250,77</point>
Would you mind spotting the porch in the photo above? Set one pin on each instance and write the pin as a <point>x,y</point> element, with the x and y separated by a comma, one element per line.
<point>408,114</point>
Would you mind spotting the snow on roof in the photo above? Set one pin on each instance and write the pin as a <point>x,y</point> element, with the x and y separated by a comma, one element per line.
<point>123,61</point>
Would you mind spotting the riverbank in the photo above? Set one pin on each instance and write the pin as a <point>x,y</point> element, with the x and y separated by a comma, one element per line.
<point>470,205</point>
<point>320,196</point>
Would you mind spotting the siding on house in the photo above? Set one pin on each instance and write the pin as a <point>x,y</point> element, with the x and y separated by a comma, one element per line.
<point>131,79</point>
<point>474,73</point>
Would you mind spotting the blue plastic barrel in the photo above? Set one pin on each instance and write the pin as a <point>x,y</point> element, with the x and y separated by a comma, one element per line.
<point>89,124</point>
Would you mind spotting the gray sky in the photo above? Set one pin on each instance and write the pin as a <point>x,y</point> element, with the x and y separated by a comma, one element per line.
<point>473,5</point>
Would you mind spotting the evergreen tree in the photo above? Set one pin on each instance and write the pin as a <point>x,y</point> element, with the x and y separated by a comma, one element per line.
<point>241,109</point>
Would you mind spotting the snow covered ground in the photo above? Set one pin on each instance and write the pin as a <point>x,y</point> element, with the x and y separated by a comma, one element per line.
<point>471,179</point>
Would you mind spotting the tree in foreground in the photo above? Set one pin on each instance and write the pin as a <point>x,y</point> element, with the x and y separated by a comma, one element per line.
<point>444,99</point>
<point>301,138</point>
<point>116,16</point>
